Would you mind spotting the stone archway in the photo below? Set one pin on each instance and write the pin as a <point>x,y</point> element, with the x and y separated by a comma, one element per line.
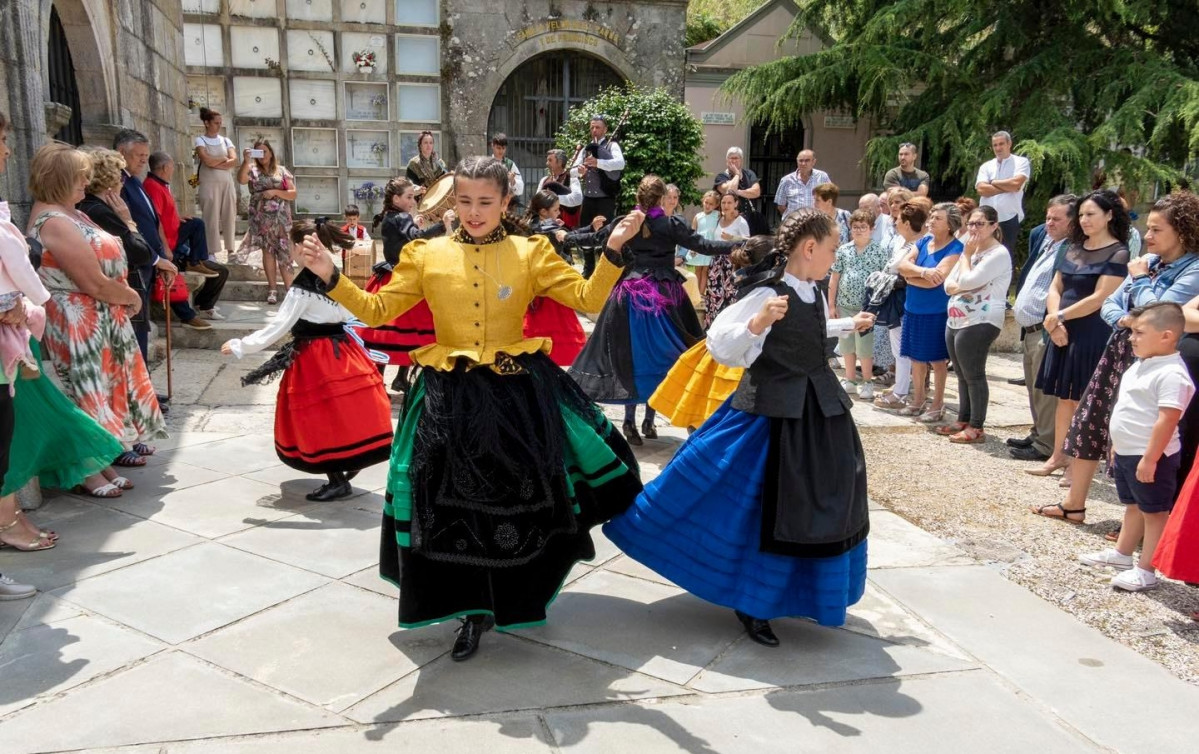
<point>86,28</point>
<point>536,99</point>
<point>470,118</point>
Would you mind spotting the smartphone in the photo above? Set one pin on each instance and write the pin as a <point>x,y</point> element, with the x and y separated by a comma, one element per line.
<point>257,153</point>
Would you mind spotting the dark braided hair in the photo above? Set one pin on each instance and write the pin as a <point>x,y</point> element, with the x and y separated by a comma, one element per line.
<point>328,233</point>
<point>1180,210</point>
<point>483,168</point>
<point>395,187</point>
<point>799,226</point>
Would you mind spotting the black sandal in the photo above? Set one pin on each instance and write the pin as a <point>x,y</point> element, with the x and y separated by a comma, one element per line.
<point>129,459</point>
<point>1040,511</point>
<point>143,449</point>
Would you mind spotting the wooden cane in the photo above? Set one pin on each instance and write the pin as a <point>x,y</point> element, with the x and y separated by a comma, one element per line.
<point>166,305</point>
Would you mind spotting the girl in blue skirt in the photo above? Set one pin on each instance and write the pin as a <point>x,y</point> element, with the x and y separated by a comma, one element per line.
<point>763,510</point>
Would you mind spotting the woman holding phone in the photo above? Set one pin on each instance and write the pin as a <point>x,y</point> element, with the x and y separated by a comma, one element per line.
<point>272,188</point>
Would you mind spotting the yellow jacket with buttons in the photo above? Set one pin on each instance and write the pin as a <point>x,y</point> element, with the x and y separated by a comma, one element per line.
<point>462,281</point>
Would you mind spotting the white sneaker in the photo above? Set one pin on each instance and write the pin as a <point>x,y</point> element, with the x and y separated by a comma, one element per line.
<point>849,385</point>
<point>1135,580</point>
<point>212,314</point>
<point>866,391</point>
<point>1110,557</point>
<point>11,590</point>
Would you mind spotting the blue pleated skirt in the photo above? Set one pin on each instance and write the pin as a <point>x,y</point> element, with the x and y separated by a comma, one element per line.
<point>923,337</point>
<point>699,525</point>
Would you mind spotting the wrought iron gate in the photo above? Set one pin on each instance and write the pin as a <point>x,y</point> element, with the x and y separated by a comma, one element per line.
<point>772,158</point>
<point>535,101</point>
<point>63,88</point>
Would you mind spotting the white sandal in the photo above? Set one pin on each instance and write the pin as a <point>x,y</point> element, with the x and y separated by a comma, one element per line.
<point>272,297</point>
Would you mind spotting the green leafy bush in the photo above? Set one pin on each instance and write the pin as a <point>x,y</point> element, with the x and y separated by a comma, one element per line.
<point>660,136</point>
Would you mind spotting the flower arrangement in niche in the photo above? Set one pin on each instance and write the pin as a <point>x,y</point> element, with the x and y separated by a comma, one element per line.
<point>365,60</point>
<point>368,193</point>
<point>379,148</point>
<point>379,100</point>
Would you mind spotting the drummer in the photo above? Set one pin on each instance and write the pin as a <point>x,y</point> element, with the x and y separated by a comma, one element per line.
<point>425,167</point>
<point>564,183</point>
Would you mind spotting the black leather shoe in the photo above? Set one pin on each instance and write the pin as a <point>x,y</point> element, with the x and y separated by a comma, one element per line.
<point>1017,381</point>
<point>758,630</point>
<point>630,433</point>
<point>1019,442</point>
<point>472,629</point>
<point>1028,454</point>
<point>330,491</point>
<point>648,431</point>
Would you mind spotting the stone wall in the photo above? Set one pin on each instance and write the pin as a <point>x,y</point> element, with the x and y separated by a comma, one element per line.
<point>486,40</point>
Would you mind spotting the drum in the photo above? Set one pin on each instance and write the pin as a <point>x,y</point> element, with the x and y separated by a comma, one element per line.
<point>438,197</point>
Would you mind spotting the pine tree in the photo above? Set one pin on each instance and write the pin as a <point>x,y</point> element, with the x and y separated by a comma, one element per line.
<point>1091,90</point>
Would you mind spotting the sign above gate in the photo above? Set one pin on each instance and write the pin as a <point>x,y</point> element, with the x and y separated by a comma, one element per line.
<point>569,31</point>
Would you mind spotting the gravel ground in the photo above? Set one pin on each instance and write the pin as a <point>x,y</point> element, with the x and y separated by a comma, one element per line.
<point>977,497</point>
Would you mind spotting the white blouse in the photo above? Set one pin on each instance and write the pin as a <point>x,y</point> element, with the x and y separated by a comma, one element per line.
<point>297,304</point>
<point>730,340</point>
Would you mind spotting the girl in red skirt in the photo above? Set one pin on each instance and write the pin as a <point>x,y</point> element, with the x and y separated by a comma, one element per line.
<point>414,328</point>
<point>332,416</point>
<point>547,318</point>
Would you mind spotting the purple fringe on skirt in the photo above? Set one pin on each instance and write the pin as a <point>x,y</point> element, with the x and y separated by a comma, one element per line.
<point>649,295</point>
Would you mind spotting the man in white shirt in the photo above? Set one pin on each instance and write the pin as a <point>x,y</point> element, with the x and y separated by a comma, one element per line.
<point>601,165</point>
<point>795,189</point>
<point>1001,183</point>
<point>1029,313</point>
<point>558,179</point>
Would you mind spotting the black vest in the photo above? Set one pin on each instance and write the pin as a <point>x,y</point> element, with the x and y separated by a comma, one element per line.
<point>793,356</point>
<point>601,183</point>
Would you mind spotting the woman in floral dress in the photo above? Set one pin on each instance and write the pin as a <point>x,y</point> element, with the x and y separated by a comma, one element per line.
<point>272,188</point>
<point>89,337</point>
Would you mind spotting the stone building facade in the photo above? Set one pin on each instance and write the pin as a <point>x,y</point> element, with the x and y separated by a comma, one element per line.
<point>341,88</point>
<point>117,61</point>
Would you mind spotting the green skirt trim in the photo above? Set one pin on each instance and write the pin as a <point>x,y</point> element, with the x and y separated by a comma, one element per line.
<point>588,459</point>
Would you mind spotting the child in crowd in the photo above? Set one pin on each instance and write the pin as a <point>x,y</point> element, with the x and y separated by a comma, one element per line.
<point>704,223</point>
<point>856,260</point>
<point>332,415</point>
<point>352,227</point>
<point>1153,395</point>
<point>18,280</point>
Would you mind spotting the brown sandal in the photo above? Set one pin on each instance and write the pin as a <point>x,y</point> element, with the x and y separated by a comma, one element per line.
<point>1065,514</point>
<point>968,436</point>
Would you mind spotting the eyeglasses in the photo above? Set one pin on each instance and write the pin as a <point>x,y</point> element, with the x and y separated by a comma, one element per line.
<point>977,223</point>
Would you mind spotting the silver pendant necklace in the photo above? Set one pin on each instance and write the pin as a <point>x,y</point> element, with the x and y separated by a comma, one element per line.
<point>502,292</point>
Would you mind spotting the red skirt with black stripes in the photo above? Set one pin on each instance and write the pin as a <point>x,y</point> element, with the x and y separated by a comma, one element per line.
<point>332,413</point>
<point>402,335</point>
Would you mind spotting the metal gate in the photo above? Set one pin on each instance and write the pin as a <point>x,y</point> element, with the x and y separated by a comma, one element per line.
<point>773,157</point>
<point>534,102</point>
<point>63,88</point>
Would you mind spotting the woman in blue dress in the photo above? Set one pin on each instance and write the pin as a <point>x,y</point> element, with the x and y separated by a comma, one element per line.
<point>763,509</point>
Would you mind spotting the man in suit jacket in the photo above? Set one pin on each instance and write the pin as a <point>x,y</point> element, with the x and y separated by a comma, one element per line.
<point>1045,245</point>
<point>135,148</point>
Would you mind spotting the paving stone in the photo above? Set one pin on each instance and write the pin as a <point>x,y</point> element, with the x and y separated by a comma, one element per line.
<point>897,543</point>
<point>189,438</point>
<point>507,674</point>
<point>511,735</point>
<point>325,538</point>
<point>654,629</point>
<point>369,579</point>
<point>237,455</point>
<point>182,595</point>
<point>159,477</point>
<point>94,540</point>
<point>209,510</point>
<point>225,388</point>
<point>45,659</point>
<point>968,712</point>
<point>332,647</point>
<point>629,567</point>
<point>878,615</point>
<point>812,654</point>
<point>170,698</point>
<point>296,484</point>
<point>1085,677</point>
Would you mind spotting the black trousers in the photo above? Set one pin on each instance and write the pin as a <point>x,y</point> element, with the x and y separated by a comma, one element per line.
<point>192,244</point>
<point>592,208</point>
<point>208,294</point>
<point>1010,229</point>
<point>968,349</point>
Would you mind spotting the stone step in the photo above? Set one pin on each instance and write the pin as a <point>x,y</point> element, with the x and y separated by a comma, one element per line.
<point>245,290</point>
<point>241,319</point>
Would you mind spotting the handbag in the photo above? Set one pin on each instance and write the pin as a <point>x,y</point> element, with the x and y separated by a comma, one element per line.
<point>178,292</point>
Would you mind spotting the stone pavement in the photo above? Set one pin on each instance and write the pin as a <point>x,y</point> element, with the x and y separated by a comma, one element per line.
<point>213,609</point>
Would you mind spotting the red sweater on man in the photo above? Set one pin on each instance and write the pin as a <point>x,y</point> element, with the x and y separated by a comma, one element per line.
<point>163,200</point>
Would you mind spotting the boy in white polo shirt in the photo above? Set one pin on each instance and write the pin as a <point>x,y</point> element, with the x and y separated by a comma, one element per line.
<point>1153,395</point>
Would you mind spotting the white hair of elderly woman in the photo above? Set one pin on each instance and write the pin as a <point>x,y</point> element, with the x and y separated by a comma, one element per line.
<point>734,152</point>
